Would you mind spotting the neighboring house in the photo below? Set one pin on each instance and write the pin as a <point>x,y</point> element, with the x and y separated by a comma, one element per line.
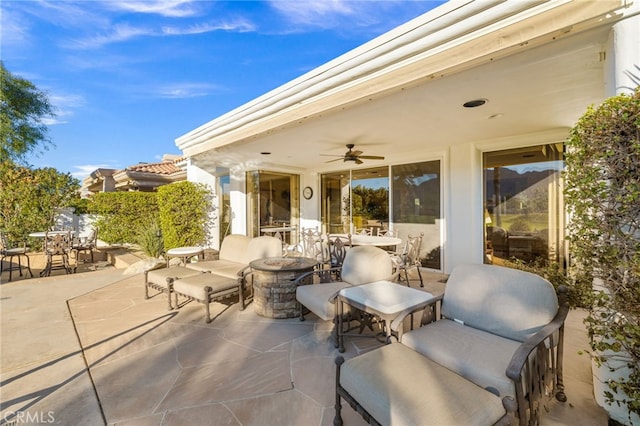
<point>140,177</point>
<point>455,101</point>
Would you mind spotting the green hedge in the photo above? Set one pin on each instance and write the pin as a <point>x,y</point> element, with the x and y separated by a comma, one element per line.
<point>184,214</point>
<point>122,216</point>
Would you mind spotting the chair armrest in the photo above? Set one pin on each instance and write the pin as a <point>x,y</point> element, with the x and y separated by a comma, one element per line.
<point>318,272</point>
<point>520,357</point>
<point>536,366</point>
<point>431,304</point>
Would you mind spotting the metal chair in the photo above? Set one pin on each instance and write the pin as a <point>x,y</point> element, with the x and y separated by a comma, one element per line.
<point>337,249</point>
<point>57,245</point>
<point>85,244</point>
<point>410,258</point>
<point>6,251</point>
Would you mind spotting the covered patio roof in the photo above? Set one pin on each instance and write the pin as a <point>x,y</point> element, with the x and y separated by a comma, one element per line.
<point>538,65</point>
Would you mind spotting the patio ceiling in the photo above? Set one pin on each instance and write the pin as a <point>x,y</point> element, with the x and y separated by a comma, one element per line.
<point>534,90</point>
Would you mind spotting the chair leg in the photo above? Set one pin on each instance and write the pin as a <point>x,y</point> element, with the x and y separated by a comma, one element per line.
<point>29,265</point>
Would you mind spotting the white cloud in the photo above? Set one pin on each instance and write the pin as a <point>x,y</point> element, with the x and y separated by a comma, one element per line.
<point>185,90</point>
<point>119,33</point>
<point>167,8</point>
<point>240,25</point>
<point>317,13</point>
<point>65,106</point>
<point>84,170</point>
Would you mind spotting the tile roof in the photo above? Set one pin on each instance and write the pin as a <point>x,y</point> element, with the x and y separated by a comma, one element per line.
<point>164,168</point>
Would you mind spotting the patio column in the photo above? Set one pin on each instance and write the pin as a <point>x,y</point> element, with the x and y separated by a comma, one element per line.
<point>464,227</point>
<point>622,70</point>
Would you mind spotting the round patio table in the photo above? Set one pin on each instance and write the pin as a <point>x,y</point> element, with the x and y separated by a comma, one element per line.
<point>274,287</point>
<point>185,253</point>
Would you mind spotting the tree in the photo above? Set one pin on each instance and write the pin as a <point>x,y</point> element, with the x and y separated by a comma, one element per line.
<point>29,198</point>
<point>23,109</point>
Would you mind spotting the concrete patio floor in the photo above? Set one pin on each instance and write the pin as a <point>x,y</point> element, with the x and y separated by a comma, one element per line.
<point>88,349</point>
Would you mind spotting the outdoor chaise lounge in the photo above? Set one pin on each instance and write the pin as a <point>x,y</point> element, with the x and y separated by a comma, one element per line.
<point>232,258</point>
<point>488,350</point>
<point>362,264</point>
<point>207,281</point>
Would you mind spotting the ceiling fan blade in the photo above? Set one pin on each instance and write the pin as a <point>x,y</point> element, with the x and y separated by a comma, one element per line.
<point>371,157</point>
<point>354,153</point>
<point>330,155</point>
<point>358,160</point>
<point>337,159</point>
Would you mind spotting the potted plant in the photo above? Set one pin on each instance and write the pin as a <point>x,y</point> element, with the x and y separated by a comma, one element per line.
<point>602,192</point>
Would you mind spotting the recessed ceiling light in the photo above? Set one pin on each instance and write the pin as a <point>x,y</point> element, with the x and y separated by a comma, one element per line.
<point>498,115</point>
<point>265,153</point>
<point>475,103</point>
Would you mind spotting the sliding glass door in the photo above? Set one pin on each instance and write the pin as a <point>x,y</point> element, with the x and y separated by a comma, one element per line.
<point>524,211</point>
<point>403,198</point>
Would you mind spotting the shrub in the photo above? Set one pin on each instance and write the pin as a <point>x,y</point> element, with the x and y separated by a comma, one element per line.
<point>150,240</point>
<point>602,192</point>
<point>122,215</point>
<point>185,209</point>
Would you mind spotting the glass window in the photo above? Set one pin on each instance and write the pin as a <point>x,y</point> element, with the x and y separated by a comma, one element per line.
<point>273,204</point>
<point>404,199</point>
<point>524,213</point>
<point>417,207</point>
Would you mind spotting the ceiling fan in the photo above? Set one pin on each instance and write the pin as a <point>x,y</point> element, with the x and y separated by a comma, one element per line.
<point>355,156</point>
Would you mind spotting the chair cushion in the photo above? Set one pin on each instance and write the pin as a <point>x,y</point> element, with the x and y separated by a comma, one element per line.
<point>194,286</point>
<point>261,247</point>
<point>233,247</point>
<point>365,264</point>
<point>212,265</point>
<point>397,385</point>
<point>159,276</point>
<point>503,301</point>
<point>319,298</point>
<point>474,354</point>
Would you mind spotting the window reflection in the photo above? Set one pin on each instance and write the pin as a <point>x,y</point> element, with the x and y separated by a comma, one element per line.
<point>523,204</point>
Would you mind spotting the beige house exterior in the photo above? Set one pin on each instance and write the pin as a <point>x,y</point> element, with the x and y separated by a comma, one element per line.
<point>534,67</point>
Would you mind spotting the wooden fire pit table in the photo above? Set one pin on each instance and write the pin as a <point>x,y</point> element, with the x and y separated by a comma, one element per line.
<point>274,288</point>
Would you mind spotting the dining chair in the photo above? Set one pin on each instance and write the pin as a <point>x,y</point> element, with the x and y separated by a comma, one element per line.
<point>387,232</point>
<point>409,258</point>
<point>57,245</point>
<point>8,251</point>
<point>85,244</point>
<point>338,246</point>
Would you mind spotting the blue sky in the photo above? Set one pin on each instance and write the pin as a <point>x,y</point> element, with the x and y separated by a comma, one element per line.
<point>129,77</point>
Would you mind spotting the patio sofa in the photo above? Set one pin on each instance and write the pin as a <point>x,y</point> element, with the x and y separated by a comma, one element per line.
<point>487,351</point>
<point>215,279</point>
<point>234,256</point>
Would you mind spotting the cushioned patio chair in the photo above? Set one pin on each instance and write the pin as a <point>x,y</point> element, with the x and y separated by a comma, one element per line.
<point>362,264</point>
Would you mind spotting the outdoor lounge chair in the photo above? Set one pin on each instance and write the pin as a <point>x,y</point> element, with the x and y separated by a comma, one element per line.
<point>362,264</point>
<point>236,252</point>
<point>492,345</point>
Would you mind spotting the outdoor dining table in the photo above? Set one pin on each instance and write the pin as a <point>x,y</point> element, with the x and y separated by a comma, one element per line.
<point>42,234</point>
<point>372,240</point>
